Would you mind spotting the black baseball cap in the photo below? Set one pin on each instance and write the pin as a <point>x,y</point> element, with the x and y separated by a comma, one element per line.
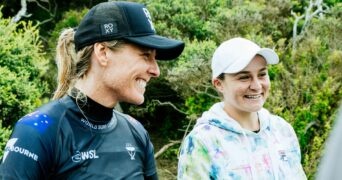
<point>128,21</point>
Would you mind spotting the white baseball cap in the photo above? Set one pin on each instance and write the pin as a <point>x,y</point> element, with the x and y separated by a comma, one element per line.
<point>235,54</point>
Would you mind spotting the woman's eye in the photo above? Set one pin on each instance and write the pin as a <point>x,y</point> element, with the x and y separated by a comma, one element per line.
<point>263,74</point>
<point>244,77</point>
<point>146,55</point>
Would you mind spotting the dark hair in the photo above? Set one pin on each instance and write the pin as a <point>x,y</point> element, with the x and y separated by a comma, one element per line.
<point>221,76</point>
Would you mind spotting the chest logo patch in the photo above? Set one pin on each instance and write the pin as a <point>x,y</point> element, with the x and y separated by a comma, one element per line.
<point>81,156</point>
<point>131,150</point>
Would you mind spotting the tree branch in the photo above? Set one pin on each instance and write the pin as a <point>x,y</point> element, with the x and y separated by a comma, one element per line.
<point>49,10</point>
<point>22,12</point>
<point>308,126</point>
<point>308,15</point>
<point>204,92</point>
<point>165,147</point>
<point>169,104</point>
<point>294,31</point>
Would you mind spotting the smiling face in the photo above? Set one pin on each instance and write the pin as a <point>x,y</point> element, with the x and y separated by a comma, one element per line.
<point>127,73</point>
<point>245,91</point>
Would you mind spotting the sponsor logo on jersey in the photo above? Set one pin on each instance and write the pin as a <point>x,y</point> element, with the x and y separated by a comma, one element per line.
<point>131,150</point>
<point>98,126</point>
<point>10,147</point>
<point>81,156</point>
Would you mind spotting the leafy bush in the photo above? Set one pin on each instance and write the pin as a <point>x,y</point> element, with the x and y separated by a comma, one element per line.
<point>4,135</point>
<point>22,64</point>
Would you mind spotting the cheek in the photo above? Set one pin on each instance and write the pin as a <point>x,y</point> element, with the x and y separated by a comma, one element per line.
<point>112,76</point>
<point>231,92</point>
<point>267,85</point>
<point>241,88</point>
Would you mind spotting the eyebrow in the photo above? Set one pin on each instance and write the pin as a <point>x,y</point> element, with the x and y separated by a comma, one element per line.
<point>247,72</point>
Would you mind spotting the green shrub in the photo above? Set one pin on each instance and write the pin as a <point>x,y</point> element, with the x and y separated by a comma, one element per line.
<point>4,135</point>
<point>22,64</point>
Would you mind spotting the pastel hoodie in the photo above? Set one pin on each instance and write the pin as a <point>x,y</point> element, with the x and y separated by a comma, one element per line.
<point>219,148</point>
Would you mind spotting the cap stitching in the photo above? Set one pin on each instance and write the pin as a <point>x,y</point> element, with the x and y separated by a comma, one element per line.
<point>125,19</point>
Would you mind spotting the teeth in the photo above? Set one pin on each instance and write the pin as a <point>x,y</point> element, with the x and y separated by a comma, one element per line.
<point>141,83</point>
<point>252,96</point>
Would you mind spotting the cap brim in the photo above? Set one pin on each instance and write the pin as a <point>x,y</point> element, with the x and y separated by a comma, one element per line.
<point>270,56</point>
<point>166,49</point>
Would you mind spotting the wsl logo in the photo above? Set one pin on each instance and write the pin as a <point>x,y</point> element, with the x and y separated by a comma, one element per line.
<point>81,156</point>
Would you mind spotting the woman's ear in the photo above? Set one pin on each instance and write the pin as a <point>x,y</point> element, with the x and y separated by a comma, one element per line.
<point>100,54</point>
<point>217,84</point>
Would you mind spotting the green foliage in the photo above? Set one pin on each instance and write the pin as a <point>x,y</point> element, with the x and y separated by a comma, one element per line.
<point>4,135</point>
<point>21,67</point>
<point>18,95</point>
<point>197,104</point>
<point>182,18</point>
<point>192,70</point>
<point>69,19</point>
<point>219,19</point>
<point>171,153</point>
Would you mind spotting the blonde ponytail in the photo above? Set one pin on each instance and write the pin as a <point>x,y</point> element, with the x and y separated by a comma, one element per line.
<point>65,60</point>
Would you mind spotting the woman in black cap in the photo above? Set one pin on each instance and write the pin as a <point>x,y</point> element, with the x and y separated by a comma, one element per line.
<point>108,59</point>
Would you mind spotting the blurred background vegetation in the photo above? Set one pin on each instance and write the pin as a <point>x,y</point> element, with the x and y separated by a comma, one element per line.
<point>306,85</point>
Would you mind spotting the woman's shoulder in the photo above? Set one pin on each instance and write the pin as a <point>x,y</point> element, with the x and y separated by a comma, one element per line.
<point>131,120</point>
<point>278,123</point>
<point>45,118</point>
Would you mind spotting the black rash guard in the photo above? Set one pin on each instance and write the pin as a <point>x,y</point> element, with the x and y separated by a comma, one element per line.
<point>58,141</point>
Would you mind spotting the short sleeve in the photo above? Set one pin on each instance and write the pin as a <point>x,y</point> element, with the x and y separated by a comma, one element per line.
<point>29,151</point>
<point>150,164</point>
<point>142,136</point>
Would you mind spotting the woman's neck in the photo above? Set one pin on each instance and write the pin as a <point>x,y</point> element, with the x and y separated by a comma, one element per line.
<point>93,111</point>
<point>247,120</point>
<point>96,93</point>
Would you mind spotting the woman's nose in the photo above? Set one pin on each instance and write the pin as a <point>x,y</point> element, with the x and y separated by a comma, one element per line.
<point>255,84</point>
<point>154,70</point>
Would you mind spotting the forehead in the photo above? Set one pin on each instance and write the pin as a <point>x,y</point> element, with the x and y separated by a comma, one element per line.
<point>256,64</point>
<point>136,47</point>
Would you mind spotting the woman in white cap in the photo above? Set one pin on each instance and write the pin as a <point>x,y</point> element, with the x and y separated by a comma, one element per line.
<point>237,138</point>
<point>108,59</point>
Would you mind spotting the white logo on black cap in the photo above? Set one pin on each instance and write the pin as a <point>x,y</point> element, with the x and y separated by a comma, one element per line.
<point>109,28</point>
<point>147,14</point>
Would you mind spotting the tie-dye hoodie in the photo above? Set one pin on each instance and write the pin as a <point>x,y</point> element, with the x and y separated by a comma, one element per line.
<point>218,148</point>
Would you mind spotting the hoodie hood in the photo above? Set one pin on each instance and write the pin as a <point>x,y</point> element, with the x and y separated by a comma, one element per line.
<point>216,116</point>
